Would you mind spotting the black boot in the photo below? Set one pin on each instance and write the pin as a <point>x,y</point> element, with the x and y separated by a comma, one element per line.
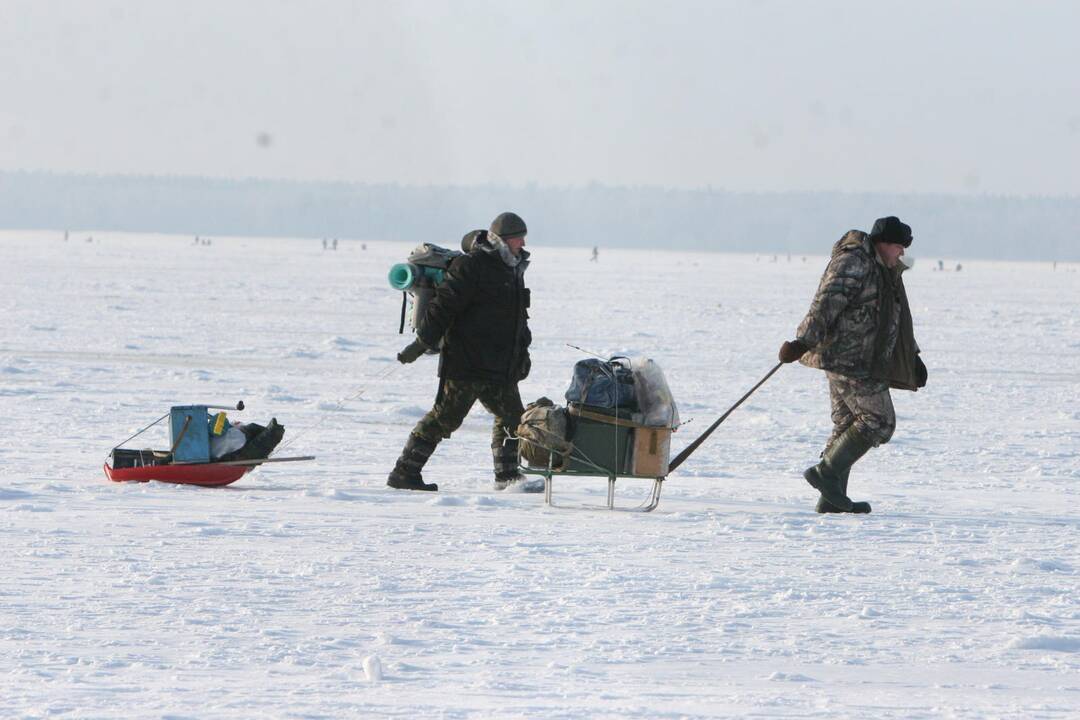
<point>857,506</point>
<point>406,473</point>
<point>831,474</point>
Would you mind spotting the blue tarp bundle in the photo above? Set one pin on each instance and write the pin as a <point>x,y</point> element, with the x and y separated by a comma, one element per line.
<point>603,384</point>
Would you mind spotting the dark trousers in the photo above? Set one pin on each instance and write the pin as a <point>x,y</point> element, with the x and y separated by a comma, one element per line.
<point>457,398</point>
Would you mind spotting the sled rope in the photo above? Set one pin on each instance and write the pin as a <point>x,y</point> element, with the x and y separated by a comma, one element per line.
<point>140,432</point>
<point>381,375</point>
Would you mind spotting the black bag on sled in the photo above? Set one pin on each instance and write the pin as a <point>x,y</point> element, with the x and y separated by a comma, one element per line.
<point>261,441</point>
<point>603,384</point>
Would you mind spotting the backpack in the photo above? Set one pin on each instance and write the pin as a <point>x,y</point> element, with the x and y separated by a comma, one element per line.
<point>542,433</point>
<point>425,270</point>
<point>603,384</point>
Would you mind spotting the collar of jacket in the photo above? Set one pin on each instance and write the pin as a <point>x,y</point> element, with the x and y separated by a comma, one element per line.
<point>492,244</point>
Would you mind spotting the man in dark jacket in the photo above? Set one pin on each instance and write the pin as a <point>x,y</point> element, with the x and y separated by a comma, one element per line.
<point>478,321</point>
<point>859,331</point>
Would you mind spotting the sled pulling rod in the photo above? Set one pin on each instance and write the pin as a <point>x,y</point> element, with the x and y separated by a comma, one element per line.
<point>689,449</point>
<point>266,460</point>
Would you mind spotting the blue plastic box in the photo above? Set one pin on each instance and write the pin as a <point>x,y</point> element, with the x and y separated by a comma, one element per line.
<point>194,442</point>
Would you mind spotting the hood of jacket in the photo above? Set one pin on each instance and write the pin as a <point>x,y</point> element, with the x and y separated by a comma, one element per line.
<point>854,240</point>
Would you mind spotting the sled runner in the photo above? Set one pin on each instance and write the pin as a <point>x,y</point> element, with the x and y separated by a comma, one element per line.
<point>144,468</point>
<point>206,450</point>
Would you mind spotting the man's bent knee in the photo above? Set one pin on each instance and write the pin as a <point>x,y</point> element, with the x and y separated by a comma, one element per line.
<point>436,428</point>
<point>877,433</point>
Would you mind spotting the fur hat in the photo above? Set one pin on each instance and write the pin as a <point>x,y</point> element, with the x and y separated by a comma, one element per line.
<point>891,230</point>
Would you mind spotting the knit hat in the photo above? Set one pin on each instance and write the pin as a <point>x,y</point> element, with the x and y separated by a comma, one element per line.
<point>891,230</point>
<point>509,225</point>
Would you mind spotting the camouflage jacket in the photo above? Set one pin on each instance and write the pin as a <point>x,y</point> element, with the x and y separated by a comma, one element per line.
<point>858,314</point>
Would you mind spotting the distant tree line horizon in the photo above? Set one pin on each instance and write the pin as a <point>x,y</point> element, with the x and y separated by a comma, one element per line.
<point>805,223</point>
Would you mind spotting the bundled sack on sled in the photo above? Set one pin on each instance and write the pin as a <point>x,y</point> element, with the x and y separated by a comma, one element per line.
<point>606,385</point>
<point>247,441</point>
<point>618,420</point>
<point>542,435</point>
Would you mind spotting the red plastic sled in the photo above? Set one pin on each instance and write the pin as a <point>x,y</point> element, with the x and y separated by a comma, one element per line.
<point>204,474</point>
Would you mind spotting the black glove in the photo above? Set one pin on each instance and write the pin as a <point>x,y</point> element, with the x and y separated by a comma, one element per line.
<point>920,372</point>
<point>412,351</point>
<point>791,351</point>
<point>525,367</point>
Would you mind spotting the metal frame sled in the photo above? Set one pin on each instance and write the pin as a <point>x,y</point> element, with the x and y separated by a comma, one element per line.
<point>610,446</point>
<point>549,474</point>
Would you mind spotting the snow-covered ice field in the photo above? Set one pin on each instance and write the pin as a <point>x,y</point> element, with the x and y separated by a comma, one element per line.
<point>958,597</point>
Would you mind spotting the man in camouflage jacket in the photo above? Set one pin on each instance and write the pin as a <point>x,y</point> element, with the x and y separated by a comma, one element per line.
<point>859,331</point>
<point>478,320</point>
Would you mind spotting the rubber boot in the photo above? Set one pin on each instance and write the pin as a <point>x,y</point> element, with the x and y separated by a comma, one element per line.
<point>507,475</point>
<point>406,473</point>
<point>830,475</point>
<point>857,506</point>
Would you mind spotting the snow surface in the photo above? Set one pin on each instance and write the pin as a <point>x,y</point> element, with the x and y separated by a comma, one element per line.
<point>312,590</point>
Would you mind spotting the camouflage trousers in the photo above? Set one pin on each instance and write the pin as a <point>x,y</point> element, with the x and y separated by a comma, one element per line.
<point>864,403</point>
<point>457,397</point>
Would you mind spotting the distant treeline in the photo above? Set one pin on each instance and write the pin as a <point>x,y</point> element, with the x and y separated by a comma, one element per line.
<point>945,226</point>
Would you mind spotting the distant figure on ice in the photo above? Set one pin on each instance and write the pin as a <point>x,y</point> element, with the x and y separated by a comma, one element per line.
<point>859,331</point>
<point>595,254</point>
<point>324,243</point>
<point>479,316</point>
<point>334,244</point>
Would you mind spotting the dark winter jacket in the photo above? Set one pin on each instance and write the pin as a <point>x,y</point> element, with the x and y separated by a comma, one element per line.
<point>859,323</point>
<point>480,313</point>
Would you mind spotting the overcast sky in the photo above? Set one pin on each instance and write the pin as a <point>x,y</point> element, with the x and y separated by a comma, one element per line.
<point>967,97</point>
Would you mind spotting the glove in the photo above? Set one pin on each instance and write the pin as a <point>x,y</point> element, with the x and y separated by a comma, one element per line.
<point>920,372</point>
<point>525,367</point>
<point>412,351</point>
<point>791,351</point>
